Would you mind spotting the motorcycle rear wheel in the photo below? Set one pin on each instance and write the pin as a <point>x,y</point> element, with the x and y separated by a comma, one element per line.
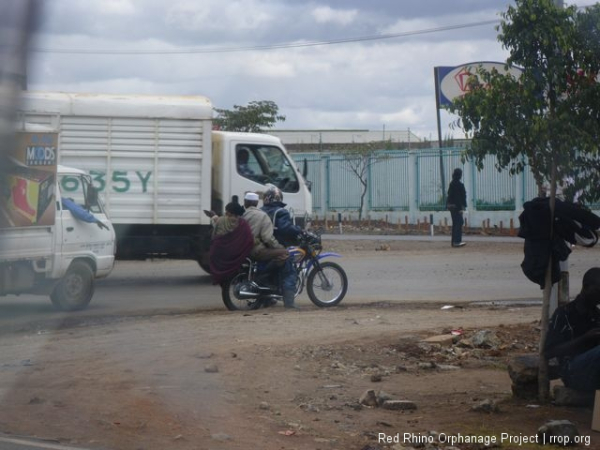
<point>328,286</point>
<point>231,296</point>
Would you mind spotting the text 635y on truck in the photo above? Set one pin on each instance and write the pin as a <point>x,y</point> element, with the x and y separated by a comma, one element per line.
<point>44,248</point>
<point>158,164</point>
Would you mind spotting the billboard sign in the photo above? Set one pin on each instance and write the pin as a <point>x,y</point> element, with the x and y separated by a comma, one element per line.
<point>451,82</point>
<point>28,182</point>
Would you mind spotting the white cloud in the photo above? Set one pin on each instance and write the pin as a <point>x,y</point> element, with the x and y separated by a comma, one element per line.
<point>354,85</point>
<point>270,67</point>
<point>118,7</point>
<point>404,25</point>
<point>235,16</point>
<point>110,86</point>
<point>325,14</point>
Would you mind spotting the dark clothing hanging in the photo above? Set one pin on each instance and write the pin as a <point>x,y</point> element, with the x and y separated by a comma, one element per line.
<point>572,224</point>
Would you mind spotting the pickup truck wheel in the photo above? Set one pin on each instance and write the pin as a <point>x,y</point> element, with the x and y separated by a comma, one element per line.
<point>75,290</point>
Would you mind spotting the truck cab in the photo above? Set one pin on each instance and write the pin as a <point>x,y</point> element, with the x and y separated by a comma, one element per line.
<point>245,162</point>
<point>75,238</point>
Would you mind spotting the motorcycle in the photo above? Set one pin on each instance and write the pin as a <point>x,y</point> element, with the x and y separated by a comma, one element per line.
<point>326,282</point>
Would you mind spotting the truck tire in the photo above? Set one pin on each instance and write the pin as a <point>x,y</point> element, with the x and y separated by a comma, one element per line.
<point>204,266</point>
<point>75,290</point>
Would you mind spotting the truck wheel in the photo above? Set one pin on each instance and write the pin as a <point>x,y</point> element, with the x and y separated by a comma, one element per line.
<point>75,290</point>
<point>205,266</point>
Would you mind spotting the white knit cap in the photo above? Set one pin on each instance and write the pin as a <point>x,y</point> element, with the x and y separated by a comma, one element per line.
<point>251,196</point>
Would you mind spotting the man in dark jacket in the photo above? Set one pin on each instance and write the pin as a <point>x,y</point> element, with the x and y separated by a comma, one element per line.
<point>456,203</point>
<point>574,334</point>
<point>286,234</point>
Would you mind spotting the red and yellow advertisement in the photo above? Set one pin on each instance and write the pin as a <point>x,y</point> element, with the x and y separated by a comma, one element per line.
<point>27,196</point>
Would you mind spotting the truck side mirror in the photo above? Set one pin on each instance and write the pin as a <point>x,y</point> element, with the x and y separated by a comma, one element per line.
<point>91,197</point>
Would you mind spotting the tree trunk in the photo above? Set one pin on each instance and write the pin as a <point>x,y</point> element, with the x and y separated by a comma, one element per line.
<point>362,203</point>
<point>543,379</point>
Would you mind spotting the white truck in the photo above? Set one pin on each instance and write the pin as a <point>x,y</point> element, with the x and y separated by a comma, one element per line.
<point>44,248</point>
<point>158,164</point>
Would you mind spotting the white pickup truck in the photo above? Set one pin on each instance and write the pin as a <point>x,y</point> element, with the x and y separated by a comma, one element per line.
<point>44,248</point>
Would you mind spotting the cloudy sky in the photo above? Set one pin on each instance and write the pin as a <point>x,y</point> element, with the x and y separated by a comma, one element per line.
<point>209,47</point>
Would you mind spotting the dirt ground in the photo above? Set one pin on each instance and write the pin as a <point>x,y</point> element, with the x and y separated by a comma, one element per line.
<point>273,379</point>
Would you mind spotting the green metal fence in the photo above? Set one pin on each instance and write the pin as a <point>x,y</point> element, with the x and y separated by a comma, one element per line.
<point>393,175</point>
<point>494,190</point>
<point>389,182</point>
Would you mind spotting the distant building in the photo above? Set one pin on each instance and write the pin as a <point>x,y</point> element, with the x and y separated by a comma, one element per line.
<point>314,138</point>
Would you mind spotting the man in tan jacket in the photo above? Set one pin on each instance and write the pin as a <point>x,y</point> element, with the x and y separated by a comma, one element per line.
<point>266,247</point>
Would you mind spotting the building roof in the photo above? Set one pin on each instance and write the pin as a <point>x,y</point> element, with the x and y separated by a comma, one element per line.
<point>343,136</point>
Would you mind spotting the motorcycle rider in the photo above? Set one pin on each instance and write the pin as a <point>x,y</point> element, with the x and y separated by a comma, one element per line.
<point>267,248</point>
<point>285,231</point>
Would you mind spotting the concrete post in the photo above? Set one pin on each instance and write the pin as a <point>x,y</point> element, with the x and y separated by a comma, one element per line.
<point>413,186</point>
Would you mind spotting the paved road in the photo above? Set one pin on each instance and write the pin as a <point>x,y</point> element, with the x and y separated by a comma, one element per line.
<point>21,443</point>
<point>444,275</point>
<point>421,238</point>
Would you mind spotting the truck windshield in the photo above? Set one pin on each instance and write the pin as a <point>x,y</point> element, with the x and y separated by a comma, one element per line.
<point>266,164</point>
<point>77,188</point>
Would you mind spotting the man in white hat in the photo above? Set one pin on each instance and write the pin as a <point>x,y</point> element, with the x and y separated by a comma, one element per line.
<point>267,248</point>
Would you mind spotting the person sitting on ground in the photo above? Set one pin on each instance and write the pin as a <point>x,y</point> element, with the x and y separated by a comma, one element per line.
<point>267,248</point>
<point>285,231</point>
<point>574,334</point>
<point>232,242</point>
<point>80,213</point>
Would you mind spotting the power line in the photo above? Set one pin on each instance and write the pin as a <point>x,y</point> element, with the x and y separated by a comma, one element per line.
<point>263,47</point>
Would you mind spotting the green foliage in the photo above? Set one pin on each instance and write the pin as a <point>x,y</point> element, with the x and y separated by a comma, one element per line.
<point>253,118</point>
<point>439,206</point>
<point>502,205</point>
<point>549,118</point>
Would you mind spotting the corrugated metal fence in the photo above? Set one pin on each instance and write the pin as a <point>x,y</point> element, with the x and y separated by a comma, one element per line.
<point>410,181</point>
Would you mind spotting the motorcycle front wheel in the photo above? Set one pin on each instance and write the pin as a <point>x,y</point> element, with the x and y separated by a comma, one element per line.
<point>327,286</point>
<point>232,297</point>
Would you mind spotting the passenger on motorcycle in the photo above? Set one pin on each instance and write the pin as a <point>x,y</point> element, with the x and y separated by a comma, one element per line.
<point>285,231</point>
<point>267,248</point>
<point>232,242</point>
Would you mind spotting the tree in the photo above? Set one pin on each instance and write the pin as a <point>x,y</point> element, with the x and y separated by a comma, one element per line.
<point>549,118</point>
<point>253,118</point>
<point>358,159</point>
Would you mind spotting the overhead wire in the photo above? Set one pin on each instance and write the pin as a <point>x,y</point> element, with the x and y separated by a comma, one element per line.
<point>262,47</point>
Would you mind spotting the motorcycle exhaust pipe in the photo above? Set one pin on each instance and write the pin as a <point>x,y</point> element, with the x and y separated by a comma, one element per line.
<point>247,294</point>
<point>248,291</point>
